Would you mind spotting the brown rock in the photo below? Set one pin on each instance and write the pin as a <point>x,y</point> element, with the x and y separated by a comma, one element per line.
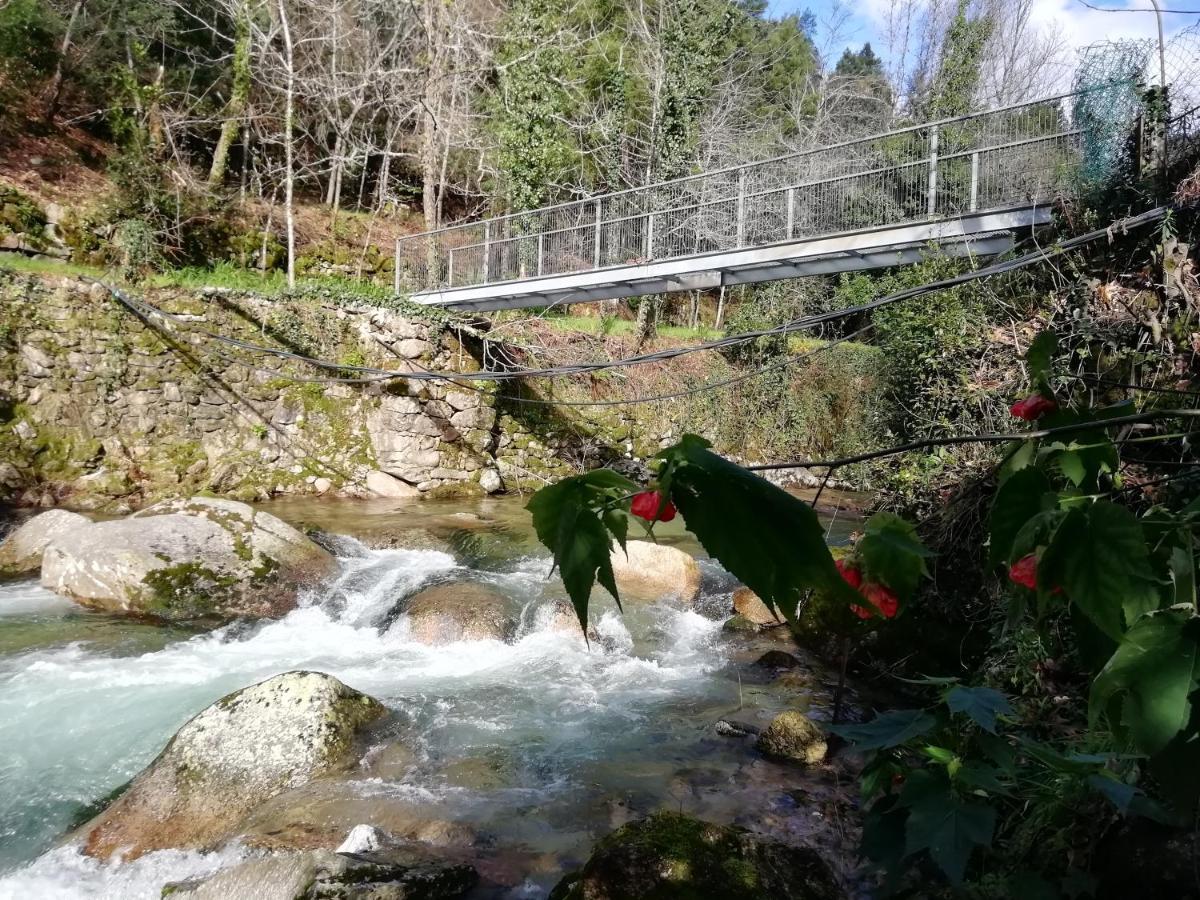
<point>749,604</point>
<point>648,571</point>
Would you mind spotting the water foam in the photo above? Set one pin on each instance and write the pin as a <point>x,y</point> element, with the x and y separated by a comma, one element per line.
<point>77,723</point>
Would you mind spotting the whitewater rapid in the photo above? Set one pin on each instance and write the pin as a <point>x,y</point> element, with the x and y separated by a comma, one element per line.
<point>81,713</point>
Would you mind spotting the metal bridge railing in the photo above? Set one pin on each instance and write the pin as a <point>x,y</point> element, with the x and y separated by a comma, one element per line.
<point>1002,158</point>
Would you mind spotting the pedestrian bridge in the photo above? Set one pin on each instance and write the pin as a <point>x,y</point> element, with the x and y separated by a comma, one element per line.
<point>966,186</point>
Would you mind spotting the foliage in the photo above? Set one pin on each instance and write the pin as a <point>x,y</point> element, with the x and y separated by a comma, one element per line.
<point>948,782</point>
<point>765,536</point>
<point>19,214</point>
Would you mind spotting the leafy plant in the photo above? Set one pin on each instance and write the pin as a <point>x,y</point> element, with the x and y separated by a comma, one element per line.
<point>944,781</point>
<point>763,535</point>
<point>1128,582</point>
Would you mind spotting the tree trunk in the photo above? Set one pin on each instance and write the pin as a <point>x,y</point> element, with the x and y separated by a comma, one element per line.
<point>54,92</point>
<point>289,116</point>
<point>720,309</point>
<point>235,109</point>
<point>647,320</point>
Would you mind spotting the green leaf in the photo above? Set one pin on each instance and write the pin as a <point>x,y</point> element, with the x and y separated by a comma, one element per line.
<point>1017,501</point>
<point>980,776</point>
<point>1116,792</point>
<point>892,553</point>
<point>888,730</point>
<point>943,824</point>
<point>573,518</point>
<point>1039,357</point>
<point>1071,465</point>
<point>981,704</point>
<point>767,538</point>
<point>1145,686</point>
<point>1098,556</point>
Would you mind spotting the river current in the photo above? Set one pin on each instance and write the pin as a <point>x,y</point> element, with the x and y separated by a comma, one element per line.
<point>526,752</point>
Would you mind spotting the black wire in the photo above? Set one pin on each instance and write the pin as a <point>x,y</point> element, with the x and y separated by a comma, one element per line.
<point>145,311</point>
<point>1148,416</point>
<point>1096,379</point>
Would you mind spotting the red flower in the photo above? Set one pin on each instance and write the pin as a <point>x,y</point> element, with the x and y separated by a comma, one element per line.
<point>653,507</point>
<point>882,599</point>
<point>1032,407</point>
<point>851,574</point>
<point>1024,572</point>
<point>861,611</point>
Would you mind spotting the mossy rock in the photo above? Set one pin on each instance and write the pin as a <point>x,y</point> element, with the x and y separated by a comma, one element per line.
<point>669,856</point>
<point>793,737</point>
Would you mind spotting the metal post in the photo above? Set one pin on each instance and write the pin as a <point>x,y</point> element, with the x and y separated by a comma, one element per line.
<point>450,267</point>
<point>541,247</point>
<point>933,179</point>
<point>396,272</point>
<point>649,249</point>
<point>741,208</point>
<point>791,212</point>
<point>596,240</point>
<point>974,181</point>
<point>487,252</point>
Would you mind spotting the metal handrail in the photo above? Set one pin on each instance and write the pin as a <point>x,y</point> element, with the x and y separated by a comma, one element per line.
<point>537,242</point>
<point>797,154</point>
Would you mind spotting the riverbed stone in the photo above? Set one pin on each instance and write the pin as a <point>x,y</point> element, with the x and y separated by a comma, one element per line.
<point>197,559</point>
<point>319,815</point>
<point>233,756</point>
<point>388,873</point>
<point>459,611</point>
<point>669,856</point>
<point>793,737</point>
<point>21,552</point>
<point>748,604</point>
<point>645,570</point>
<point>381,484</point>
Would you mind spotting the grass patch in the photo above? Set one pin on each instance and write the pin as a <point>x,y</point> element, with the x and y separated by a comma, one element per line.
<point>47,265</point>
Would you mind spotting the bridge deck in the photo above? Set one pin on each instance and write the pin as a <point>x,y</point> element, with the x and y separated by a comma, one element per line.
<point>985,234</point>
<point>965,184</point>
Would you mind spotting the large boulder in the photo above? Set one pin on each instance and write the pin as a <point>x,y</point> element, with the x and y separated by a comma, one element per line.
<point>673,857</point>
<point>459,611</point>
<point>383,874</point>
<point>748,604</point>
<point>645,570</point>
<point>792,736</point>
<point>231,757</point>
<point>21,552</point>
<point>319,815</point>
<point>186,559</point>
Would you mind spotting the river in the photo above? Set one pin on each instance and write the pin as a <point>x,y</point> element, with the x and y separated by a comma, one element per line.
<point>525,752</point>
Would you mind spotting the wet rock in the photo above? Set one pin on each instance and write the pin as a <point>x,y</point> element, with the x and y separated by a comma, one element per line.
<point>794,737</point>
<point>490,772</point>
<point>381,484</point>
<point>727,728</point>
<point>673,857</point>
<point>21,552</point>
<point>459,611</point>
<point>748,604</point>
<point>320,814</point>
<point>778,660</point>
<point>648,571</point>
<point>739,625</point>
<point>185,560</point>
<point>233,756</point>
<point>393,873</point>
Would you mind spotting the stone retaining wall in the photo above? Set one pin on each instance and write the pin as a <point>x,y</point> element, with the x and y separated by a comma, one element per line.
<point>99,410</point>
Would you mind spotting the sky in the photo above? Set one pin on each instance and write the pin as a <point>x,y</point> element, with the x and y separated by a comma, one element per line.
<point>1080,25</point>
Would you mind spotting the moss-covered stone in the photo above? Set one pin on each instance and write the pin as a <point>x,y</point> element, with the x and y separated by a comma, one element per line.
<point>674,857</point>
